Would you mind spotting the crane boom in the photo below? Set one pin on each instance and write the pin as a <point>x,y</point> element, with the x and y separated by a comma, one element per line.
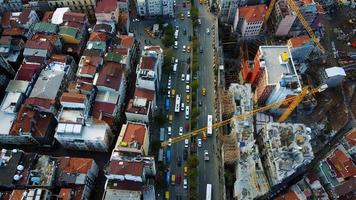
<point>305,24</point>
<point>289,100</point>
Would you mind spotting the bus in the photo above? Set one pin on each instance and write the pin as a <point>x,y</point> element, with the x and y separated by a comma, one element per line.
<point>208,191</point>
<point>209,130</point>
<point>167,103</point>
<point>160,155</point>
<point>177,106</point>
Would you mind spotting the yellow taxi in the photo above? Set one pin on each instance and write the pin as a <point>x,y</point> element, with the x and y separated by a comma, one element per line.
<point>173,93</point>
<point>187,98</point>
<point>188,49</point>
<point>167,195</point>
<point>185,171</point>
<point>203,91</point>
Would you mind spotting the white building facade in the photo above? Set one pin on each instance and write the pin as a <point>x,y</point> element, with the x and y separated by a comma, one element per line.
<point>152,8</point>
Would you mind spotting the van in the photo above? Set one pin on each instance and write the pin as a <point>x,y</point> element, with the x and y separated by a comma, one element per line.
<point>173,179</point>
<point>187,78</point>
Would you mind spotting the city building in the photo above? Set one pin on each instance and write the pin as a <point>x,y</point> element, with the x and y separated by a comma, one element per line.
<point>152,8</point>
<point>107,10</point>
<point>301,48</point>
<point>10,48</point>
<point>286,149</point>
<point>55,40</point>
<point>11,5</point>
<point>142,106</point>
<point>149,69</point>
<point>273,75</point>
<point>19,23</point>
<point>132,141</point>
<point>251,181</point>
<point>333,76</point>
<point>286,22</point>
<point>228,9</point>
<point>249,20</point>
<point>37,51</point>
<point>80,6</point>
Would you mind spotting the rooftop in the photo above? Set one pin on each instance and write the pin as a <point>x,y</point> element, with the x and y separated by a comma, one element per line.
<point>148,62</point>
<point>144,93</point>
<point>351,137</point>
<point>253,13</point>
<point>73,32</point>
<point>106,6</point>
<point>75,17</point>
<point>7,119</point>
<point>57,17</point>
<point>113,57</point>
<point>110,76</point>
<point>45,27</point>
<point>104,27</point>
<point>41,44</point>
<point>138,106</point>
<point>73,97</point>
<point>98,45</point>
<point>106,96</point>
<point>7,172</point>
<point>343,164</point>
<point>124,185</point>
<point>27,71</point>
<point>99,36</point>
<point>134,132</point>
<point>47,84</point>
<point>34,122</point>
<point>298,41</point>
<point>125,168</point>
<point>75,165</point>
<point>91,60</point>
<point>274,65</point>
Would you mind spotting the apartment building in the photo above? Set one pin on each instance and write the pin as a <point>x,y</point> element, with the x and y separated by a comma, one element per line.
<point>152,8</point>
<point>249,20</point>
<point>107,10</point>
<point>273,75</point>
<point>228,10</point>
<point>81,6</point>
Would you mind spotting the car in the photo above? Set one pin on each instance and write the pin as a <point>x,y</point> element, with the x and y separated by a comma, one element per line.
<point>173,93</point>
<point>169,84</point>
<point>188,14</point>
<point>179,162</point>
<point>172,61</point>
<point>183,49</point>
<point>187,89</point>
<point>200,103</point>
<point>185,154</point>
<point>170,119</point>
<point>170,142</point>
<point>181,130</point>
<point>182,16</point>
<point>187,113</point>
<point>206,155</point>
<point>184,31</point>
<point>186,142</point>
<point>186,126</point>
<point>178,180</point>
<point>207,31</point>
<point>187,98</point>
<point>175,44</point>
<point>169,130</point>
<point>182,106</point>
<point>176,61</point>
<point>174,3</point>
<point>177,27</point>
<point>188,49</point>
<point>203,92</point>
<point>169,77</point>
<point>182,77</point>
<point>201,49</point>
<point>185,171</point>
<point>199,142</point>
<point>173,179</point>
<point>185,183</point>
<point>169,93</point>
<point>199,21</point>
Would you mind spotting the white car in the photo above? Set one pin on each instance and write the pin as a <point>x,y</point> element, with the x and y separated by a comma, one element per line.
<point>169,93</point>
<point>187,89</point>
<point>207,31</point>
<point>174,3</point>
<point>187,112</point>
<point>199,142</point>
<point>169,83</point>
<point>177,27</point>
<point>182,106</point>
<point>176,61</point>
<point>169,132</point>
<point>182,78</point>
<point>173,59</point>
<point>199,21</point>
<point>188,14</point>
<point>183,48</point>
<point>185,183</point>
<point>175,44</point>
<point>181,130</point>
<point>206,155</point>
<point>170,142</point>
<point>186,142</point>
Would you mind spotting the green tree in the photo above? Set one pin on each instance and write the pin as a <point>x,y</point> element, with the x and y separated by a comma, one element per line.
<point>168,37</point>
<point>194,11</point>
<point>160,119</point>
<point>193,161</point>
<point>229,178</point>
<point>194,85</point>
<point>168,54</point>
<point>195,112</point>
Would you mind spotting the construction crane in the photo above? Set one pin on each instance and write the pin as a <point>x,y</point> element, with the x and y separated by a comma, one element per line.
<point>292,101</point>
<point>305,24</point>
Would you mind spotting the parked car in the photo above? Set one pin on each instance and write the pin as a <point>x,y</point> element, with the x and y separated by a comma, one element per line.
<point>182,106</point>
<point>181,130</point>
<point>199,142</point>
<point>199,21</point>
<point>188,14</point>
<point>187,88</point>
<point>170,142</point>
<point>183,49</point>
<point>183,77</point>
<point>206,155</point>
<point>178,180</point>
<point>207,31</point>
<point>203,91</point>
<point>186,142</point>
<point>185,183</point>
<point>169,130</point>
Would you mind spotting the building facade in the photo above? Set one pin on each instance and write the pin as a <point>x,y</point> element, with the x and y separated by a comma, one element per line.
<point>249,20</point>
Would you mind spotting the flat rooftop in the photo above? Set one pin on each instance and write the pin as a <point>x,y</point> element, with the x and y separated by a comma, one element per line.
<point>72,116</point>
<point>274,68</point>
<point>106,96</point>
<point>7,119</point>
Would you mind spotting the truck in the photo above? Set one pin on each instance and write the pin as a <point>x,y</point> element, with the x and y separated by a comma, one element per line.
<point>160,155</point>
<point>168,155</point>
<point>168,177</point>
<point>208,191</point>
<point>176,34</point>
<point>161,134</point>
<point>167,104</point>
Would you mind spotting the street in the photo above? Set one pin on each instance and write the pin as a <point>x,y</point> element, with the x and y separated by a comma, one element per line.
<point>208,170</point>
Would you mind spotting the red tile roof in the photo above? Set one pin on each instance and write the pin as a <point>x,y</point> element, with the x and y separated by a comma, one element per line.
<point>43,103</point>
<point>148,62</point>
<point>74,17</point>
<point>84,85</point>
<point>288,196</point>
<point>58,58</point>
<point>27,71</point>
<point>46,45</point>
<point>351,137</point>
<point>125,167</point>
<point>93,60</point>
<point>29,120</point>
<point>153,48</point>
<point>110,75</point>
<point>126,40</point>
<point>17,195</point>
<point>24,16</point>
<point>13,31</point>
<point>75,165</point>
<point>87,70</point>
<point>140,92</point>
<point>134,132</point>
<point>104,108</point>
<point>98,36</point>
<point>253,13</point>
<point>121,50</point>
<point>298,41</point>
<point>73,97</point>
<point>123,19</point>
<point>346,187</point>
<point>343,164</point>
<point>106,6</point>
<point>125,185</point>
<point>138,110</point>
<point>5,20</point>
<point>5,40</point>
<point>65,194</point>
<point>53,39</point>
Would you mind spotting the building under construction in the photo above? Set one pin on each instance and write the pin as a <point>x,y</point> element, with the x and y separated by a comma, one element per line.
<point>286,147</point>
<point>251,181</point>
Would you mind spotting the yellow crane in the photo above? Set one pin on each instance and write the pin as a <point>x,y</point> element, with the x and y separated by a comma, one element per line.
<point>292,101</point>
<point>305,24</point>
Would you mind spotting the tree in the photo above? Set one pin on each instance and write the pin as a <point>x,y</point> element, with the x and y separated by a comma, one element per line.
<point>195,44</point>
<point>194,85</point>
<point>193,161</point>
<point>195,112</point>
<point>168,54</point>
<point>160,119</point>
<point>194,13</point>
<point>155,145</point>
<point>168,37</point>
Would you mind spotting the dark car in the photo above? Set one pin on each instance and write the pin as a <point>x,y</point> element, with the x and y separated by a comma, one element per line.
<point>178,179</point>
<point>201,49</point>
<point>185,154</point>
<point>179,162</point>
<point>184,31</point>
<point>188,60</point>
<point>200,103</point>
<point>190,38</point>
